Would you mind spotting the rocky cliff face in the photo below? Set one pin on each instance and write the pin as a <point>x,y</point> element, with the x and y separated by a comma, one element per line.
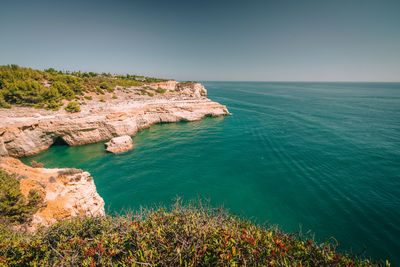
<point>27,135</point>
<point>26,131</point>
<point>186,88</point>
<point>167,85</point>
<point>66,193</point>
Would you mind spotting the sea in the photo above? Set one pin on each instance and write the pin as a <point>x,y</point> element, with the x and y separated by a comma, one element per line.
<point>319,159</point>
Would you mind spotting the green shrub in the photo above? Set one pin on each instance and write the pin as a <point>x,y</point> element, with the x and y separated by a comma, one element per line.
<point>99,90</point>
<point>103,85</point>
<point>3,103</point>
<point>154,80</point>
<point>51,93</point>
<point>160,90</point>
<point>73,107</point>
<point>150,94</point>
<point>88,97</point>
<point>102,100</point>
<point>143,91</point>
<point>64,90</point>
<point>46,89</point>
<point>13,206</point>
<point>27,92</point>
<point>107,87</point>
<point>181,236</point>
<point>114,97</point>
<point>53,105</point>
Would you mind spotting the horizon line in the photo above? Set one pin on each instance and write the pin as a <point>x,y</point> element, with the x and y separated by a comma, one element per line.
<point>300,81</point>
<point>202,80</point>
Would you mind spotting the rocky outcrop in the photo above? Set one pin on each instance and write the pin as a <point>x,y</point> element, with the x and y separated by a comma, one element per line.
<point>167,85</point>
<point>30,132</point>
<point>66,193</point>
<point>191,88</point>
<point>3,150</point>
<point>119,144</point>
<point>187,88</point>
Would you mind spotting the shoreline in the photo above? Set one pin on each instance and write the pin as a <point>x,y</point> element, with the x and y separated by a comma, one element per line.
<point>29,131</point>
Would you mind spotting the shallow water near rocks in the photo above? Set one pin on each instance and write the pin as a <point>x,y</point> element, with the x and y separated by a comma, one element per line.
<point>325,156</point>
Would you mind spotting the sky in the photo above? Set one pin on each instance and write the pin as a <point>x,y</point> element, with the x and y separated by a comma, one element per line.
<point>216,40</point>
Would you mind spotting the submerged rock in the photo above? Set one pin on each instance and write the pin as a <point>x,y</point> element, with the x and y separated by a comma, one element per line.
<point>119,144</point>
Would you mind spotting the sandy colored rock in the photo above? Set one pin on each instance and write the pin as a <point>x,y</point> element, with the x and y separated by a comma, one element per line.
<point>66,193</point>
<point>191,88</point>
<point>167,85</point>
<point>3,150</point>
<point>26,131</point>
<point>119,144</point>
<point>69,193</point>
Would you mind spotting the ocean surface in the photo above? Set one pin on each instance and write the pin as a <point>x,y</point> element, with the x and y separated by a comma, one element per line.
<point>319,157</point>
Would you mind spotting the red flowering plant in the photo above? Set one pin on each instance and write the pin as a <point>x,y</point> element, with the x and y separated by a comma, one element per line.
<point>190,235</point>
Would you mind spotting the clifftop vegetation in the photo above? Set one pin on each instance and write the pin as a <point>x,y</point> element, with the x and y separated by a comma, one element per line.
<point>46,89</point>
<point>14,207</point>
<point>189,235</point>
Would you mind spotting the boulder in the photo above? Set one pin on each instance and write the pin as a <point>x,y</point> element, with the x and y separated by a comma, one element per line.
<point>119,144</point>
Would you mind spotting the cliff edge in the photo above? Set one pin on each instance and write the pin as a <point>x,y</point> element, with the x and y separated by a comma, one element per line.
<point>25,131</point>
<point>69,192</point>
<point>66,193</point>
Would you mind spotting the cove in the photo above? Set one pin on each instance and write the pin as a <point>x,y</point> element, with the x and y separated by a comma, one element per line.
<point>321,155</point>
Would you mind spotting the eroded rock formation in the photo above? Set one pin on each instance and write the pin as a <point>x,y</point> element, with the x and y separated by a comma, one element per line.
<point>119,144</point>
<point>25,131</point>
<point>66,193</point>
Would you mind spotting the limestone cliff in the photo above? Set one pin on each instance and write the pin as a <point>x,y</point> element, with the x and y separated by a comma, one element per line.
<point>25,131</point>
<point>66,193</point>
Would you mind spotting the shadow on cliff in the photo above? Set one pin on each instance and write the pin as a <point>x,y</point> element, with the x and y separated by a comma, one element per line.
<point>59,141</point>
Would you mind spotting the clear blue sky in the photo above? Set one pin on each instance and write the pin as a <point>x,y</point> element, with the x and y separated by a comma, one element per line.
<point>319,40</point>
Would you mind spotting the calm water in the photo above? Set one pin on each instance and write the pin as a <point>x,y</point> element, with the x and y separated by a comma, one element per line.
<point>325,156</point>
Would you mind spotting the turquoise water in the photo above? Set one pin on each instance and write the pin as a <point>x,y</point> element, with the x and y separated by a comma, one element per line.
<point>325,156</point>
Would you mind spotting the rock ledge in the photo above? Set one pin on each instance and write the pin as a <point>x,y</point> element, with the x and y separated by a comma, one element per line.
<point>66,193</point>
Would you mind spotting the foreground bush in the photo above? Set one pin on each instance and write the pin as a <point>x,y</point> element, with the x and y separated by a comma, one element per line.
<point>185,235</point>
<point>14,207</point>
